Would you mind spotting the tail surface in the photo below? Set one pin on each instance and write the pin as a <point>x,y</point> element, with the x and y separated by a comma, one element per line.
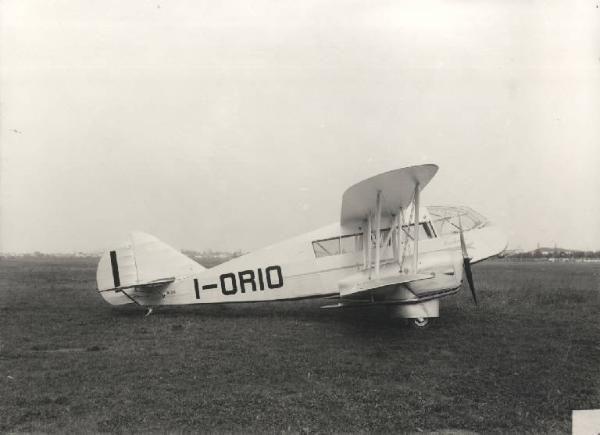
<point>142,266</point>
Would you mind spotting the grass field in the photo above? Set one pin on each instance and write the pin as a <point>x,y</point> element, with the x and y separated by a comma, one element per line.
<point>519,363</point>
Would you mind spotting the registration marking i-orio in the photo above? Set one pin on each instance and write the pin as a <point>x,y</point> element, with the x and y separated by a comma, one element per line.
<point>246,280</point>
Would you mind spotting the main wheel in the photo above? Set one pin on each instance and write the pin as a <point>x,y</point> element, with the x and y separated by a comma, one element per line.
<point>420,322</point>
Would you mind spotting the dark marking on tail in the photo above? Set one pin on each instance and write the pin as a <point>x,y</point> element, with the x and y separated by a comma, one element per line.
<point>197,289</point>
<point>115,268</point>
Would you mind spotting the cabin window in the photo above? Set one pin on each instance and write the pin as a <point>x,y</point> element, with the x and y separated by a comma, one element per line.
<point>327,247</point>
<point>384,234</point>
<point>351,243</point>
<point>337,245</point>
<point>354,243</point>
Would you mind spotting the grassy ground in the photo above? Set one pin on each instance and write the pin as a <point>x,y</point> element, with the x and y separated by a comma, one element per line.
<point>519,363</point>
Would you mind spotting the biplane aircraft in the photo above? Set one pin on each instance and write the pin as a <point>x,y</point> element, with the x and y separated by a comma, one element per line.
<point>387,249</point>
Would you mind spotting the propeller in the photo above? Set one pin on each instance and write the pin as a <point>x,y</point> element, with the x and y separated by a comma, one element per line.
<point>466,261</point>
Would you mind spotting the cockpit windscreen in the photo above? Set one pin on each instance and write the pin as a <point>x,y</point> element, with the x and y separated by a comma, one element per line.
<point>449,219</point>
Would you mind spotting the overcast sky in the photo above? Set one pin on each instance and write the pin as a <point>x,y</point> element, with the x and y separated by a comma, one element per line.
<point>235,124</point>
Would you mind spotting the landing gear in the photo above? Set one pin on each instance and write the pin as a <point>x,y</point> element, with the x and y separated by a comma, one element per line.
<point>150,309</point>
<point>420,322</point>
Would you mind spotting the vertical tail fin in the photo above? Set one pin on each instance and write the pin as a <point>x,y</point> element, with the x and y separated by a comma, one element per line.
<point>142,261</point>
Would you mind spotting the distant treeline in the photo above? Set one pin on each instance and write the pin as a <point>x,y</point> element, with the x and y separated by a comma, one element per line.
<point>207,259</point>
<point>42,255</point>
<point>554,253</point>
<point>212,258</point>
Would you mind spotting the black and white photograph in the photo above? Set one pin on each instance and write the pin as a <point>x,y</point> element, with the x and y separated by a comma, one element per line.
<point>300,217</point>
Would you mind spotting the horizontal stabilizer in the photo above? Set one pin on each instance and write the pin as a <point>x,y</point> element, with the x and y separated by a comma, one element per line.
<point>147,285</point>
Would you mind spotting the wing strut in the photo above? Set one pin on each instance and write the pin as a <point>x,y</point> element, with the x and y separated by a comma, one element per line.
<point>378,235</point>
<point>416,238</point>
<point>372,260</point>
<point>364,244</point>
<point>400,221</point>
<point>368,242</point>
<point>386,241</point>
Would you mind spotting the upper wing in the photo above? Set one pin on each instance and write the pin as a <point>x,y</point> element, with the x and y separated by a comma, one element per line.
<point>397,188</point>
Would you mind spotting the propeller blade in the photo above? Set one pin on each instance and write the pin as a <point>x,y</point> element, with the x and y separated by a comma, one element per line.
<point>466,261</point>
<point>467,265</point>
<point>463,245</point>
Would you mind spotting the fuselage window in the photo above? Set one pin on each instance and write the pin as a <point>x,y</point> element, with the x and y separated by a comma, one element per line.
<point>384,235</point>
<point>337,245</point>
<point>354,243</point>
<point>348,245</point>
<point>327,247</point>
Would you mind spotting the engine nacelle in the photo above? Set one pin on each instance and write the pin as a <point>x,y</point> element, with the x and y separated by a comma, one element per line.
<point>447,267</point>
<point>447,270</point>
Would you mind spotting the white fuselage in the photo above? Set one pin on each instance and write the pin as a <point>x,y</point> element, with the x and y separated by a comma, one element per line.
<point>314,265</point>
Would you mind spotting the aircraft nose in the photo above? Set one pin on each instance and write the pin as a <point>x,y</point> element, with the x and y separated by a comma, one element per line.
<point>487,242</point>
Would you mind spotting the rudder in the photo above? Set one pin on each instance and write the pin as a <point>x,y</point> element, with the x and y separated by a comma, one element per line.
<point>143,261</point>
